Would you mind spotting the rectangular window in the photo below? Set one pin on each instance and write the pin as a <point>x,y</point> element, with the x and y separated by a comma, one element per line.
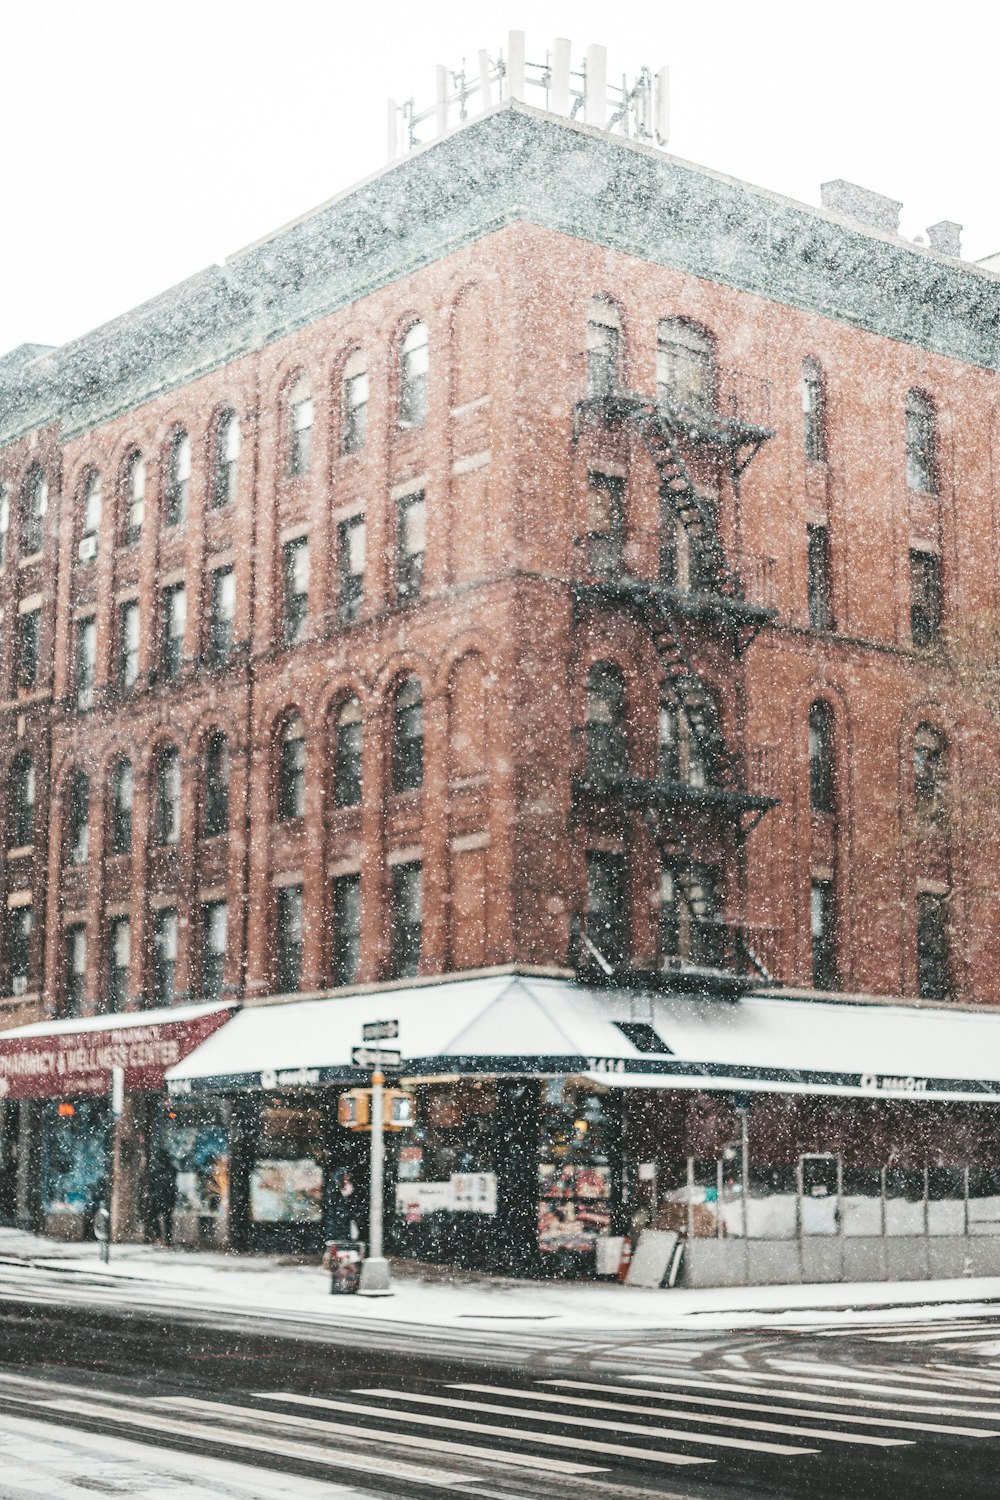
<point>295,560</point>
<point>346,929</point>
<point>74,980</point>
<point>933,980</point>
<point>288,967</point>
<point>407,920</point>
<point>128,645</point>
<point>350,568</point>
<point>168,799</point>
<point>824,965</point>
<point>29,635</point>
<point>118,956</point>
<point>214,934</point>
<point>19,924</point>
<point>925,598</point>
<point>164,976</point>
<point>220,640</point>
<point>411,519</point>
<point>607,905</point>
<point>173,623</point>
<point>86,659</point>
<point>818,562</point>
<point>215,809</point>
<point>605,524</point>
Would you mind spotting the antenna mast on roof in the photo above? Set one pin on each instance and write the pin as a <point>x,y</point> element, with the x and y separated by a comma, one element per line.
<point>640,109</point>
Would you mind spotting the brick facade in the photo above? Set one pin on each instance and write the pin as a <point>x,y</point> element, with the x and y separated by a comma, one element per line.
<point>494,638</point>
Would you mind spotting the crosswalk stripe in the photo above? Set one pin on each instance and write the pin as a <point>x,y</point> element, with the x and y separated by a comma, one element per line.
<point>950,1386</point>
<point>651,1455</point>
<point>939,1333</point>
<point>919,1392</point>
<point>357,1463</point>
<point>668,1434</point>
<point>786,1411</point>
<point>255,1414</point>
<point>775,1389</point>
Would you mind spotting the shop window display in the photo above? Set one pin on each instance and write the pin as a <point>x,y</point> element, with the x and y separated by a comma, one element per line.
<point>574,1173</point>
<point>286,1180</point>
<point>195,1136</point>
<point>74,1157</point>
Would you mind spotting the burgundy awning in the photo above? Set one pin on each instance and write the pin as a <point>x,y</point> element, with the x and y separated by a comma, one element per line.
<point>68,1058</point>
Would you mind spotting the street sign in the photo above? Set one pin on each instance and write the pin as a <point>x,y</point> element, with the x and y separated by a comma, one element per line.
<point>375,1057</point>
<point>379,1031</point>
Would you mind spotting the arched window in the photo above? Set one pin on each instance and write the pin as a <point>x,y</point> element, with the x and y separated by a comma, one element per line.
<point>91,519</point>
<point>355,404</point>
<point>821,766</point>
<point>78,819</point>
<point>226,457</point>
<point>921,443</point>
<point>168,795</point>
<point>22,802</point>
<point>178,479</point>
<point>813,410</point>
<point>414,362</point>
<point>685,365</point>
<point>292,771</point>
<point>301,412</point>
<point>121,803</point>
<point>215,798</point>
<point>408,736</point>
<point>135,496</point>
<point>35,504</point>
<point>347,755</point>
<point>929,771</point>
<point>607,749</point>
<point>604,348</point>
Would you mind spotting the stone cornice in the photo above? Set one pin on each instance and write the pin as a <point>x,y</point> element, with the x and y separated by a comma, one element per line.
<point>514,163</point>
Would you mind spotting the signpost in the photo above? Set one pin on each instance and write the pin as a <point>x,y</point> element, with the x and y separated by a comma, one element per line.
<point>375,1280</point>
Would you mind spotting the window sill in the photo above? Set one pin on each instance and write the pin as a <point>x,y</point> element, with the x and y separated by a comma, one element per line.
<point>21,852</point>
<point>31,559</point>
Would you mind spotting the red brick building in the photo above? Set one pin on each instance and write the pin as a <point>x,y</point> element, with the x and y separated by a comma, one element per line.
<point>546,555</point>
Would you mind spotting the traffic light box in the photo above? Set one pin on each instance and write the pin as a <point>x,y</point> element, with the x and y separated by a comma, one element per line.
<point>354,1109</point>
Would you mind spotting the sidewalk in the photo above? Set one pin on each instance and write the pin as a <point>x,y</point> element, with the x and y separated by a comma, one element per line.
<point>433,1297</point>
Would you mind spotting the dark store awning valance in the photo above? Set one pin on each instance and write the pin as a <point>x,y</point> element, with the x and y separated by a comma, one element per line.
<point>518,1025</point>
<point>73,1057</point>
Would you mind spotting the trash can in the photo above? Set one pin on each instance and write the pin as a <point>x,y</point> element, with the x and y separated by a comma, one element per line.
<point>343,1260</point>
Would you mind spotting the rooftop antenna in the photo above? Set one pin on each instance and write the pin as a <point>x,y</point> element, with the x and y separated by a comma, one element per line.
<point>639,108</point>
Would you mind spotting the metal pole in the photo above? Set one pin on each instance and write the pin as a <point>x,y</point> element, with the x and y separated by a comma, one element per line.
<point>375,1280</point>
<point>744,1115</point>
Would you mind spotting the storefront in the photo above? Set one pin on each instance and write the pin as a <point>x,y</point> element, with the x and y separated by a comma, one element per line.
<point>66,1149</point>
<point>783,1138</point>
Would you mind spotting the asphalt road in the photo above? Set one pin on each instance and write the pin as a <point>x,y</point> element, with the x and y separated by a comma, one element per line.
<point>142,1401</point>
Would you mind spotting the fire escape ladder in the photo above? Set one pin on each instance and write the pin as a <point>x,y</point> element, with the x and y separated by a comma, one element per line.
<point>688,691</point>
<point>657,426</point>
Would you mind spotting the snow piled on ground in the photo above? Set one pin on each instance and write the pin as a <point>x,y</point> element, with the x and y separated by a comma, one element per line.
<point>271,1287</point>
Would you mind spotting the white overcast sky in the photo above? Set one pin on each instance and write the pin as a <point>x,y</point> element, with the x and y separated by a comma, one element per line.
<point>142,141</point>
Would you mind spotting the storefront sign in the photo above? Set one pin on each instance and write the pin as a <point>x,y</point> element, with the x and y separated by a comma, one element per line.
<point>291,1078</point>
<point>464,1192</point>
<point>68,1064</point>
<point>885,1083</point>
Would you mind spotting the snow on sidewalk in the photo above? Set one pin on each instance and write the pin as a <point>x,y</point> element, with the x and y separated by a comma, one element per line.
<point>271,1287</point>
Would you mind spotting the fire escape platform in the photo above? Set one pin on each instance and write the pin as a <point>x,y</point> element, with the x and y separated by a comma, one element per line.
<point>644,594</point>
<point>642,792</point>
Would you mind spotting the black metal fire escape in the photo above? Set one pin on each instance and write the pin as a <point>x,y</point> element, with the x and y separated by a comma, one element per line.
<point>675,813</point>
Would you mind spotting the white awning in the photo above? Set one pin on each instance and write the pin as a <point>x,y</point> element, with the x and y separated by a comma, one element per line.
<point>515,1025</point>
